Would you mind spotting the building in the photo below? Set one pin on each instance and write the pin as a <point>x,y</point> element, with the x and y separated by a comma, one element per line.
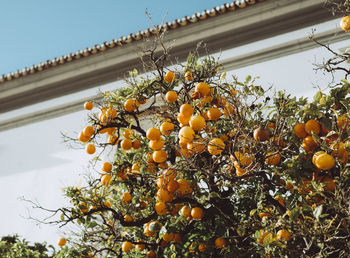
<point>267,38</point>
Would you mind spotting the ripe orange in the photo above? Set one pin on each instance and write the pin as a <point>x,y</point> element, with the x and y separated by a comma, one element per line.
<point>107,167</point>
<point>299,130</point>
<point>126,197</point>
<point>273,159</point>
<point>309,144</point>
<point>197,122</point>
<point>88,105</point>
<point>329,184</point>
<point>126,144</point>
<point>202,247</point>
<point>220,242</point>
<point>62,242</point>
<point>283,235</point>
<point>169,77</point>
<point>164,195</point>
<point>214,113</point>
<point>130,105</point>
<point>182,119</point>
<point>136,144</point>
<point>263,234</point>
<point>216,146</point>
<point>171,96</point>
<point>88,131</point>
<point>166,128</point>
<point>197,213</point>
<point>188,76</point>
<point>126,246</point>
<point>128,218</point>
<point>160,156</point>
<point>83,138</point>
<point>228,110</point>
<point>128,132</point>
<point>203,89</point>
<point>345,23</point>
<point>312,126</point>
<point>261,134</point>
<point>324,161</point>
<point>195,146</point>
<point>161,208</point>
<point>151,254</point>
<point>186,134</point>
<point>185,211</point>
<point>153,134</point>
<point>140,247</point>
<point>172,186</point>
<point>186,110</point>
<point>156,145</point>
<point>106,180</point>
<point>111,112</point>
<point>168,237</point>
<point>90,148</point>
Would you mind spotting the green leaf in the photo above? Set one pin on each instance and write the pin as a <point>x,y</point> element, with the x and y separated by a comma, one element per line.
<point>252,212</point>
<point>317,97</point>
<point>294,213</point>
<point>248,79</point>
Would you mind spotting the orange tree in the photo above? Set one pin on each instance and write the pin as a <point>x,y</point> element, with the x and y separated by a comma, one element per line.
<point>205,165</point>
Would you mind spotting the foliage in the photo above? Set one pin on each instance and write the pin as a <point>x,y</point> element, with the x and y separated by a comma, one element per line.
<point>13,246</point>
<point>242,172</point>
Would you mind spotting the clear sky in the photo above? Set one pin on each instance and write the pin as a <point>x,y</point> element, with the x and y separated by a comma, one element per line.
<point>37,30</point>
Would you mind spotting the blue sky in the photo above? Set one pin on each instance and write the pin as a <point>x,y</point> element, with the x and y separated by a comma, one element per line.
<point>37,30</point>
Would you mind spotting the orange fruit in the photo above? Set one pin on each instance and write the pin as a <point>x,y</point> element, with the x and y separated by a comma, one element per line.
<point>151,254</point>
<point>324,161</point>
<point>140,247</point>
<point>168,237</point>
<point>184,187</point>
<point>203,89</point>
<point>195,146</point>
<point>126,197</point>
<point>153,134</point>
<point>280,200</point>
<point>88,105</point>
<point>316,155</point>
<point>126,246</point>
<point>283,235</point>
<point>107,167</point>
<point>273,159</point>
<point>188,76</point>
<point>228,110</point>
<point>309,144</point>
<point>216,146</point>
<point>106,179</point>
<point>263,234</point>
<point>128,132</point>
<point>136,144</point>
<point>220,242</point>
<point>128,218</point>
<point>197,122</point>
<point>214,113</point>
<point>185,211</point>
<point>130,105</point>
<point>169,77</point>
<point>186,134</point>
<point>182,119</point>
<point>164,195</point>
<point>186,110</point>
<point>62,242</point>
<point>161,208</point>
<point>111,112</point>
<point>171,96</point>
<point>160,156</point>
<point>172,186</point>
<point>312,126</point>
<point>202,247</point>
<point>88,131</point>
<point>126,144</point>
<point>166,128</point>
<point>90,148</point>
<point>261,134</point>
<point>107,204</point>
<point>329,184</point>
<point>197,213</point>
<point>299,130</point>
<point>156,145</point>
<point>177,238</point>
<point>345,23</point>
<point>83,138</point>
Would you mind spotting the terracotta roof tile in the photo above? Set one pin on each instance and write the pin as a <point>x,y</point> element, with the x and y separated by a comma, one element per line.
<point>185,21</point>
